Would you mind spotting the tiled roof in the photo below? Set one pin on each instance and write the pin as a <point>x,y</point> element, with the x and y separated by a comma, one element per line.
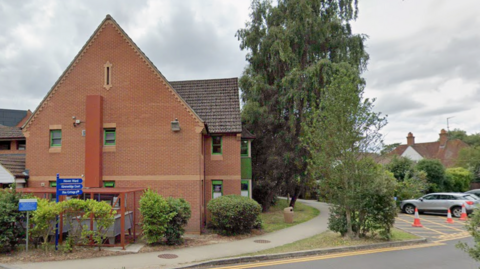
<point>216,101</point>
<point>10,132</point>
<point>14,163</point>
<point>10,117</point>
<point>246,134</point>
<point>432,150</point>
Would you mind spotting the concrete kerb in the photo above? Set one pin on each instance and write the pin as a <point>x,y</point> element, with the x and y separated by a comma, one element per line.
<point>304,253</point>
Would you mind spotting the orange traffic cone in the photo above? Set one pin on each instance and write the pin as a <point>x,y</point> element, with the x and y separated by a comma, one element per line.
<point>416,222</point>
<point>449,217</point>
<point>464,213</point>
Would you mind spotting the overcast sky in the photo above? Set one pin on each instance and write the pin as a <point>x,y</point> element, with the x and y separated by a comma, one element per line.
<point>424,54</point>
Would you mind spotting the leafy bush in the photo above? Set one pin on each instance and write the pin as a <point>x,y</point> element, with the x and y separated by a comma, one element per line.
<point>458,179</point>
<point>156,215</point>
<point>10,233</point>
<point>435,173</point>
<point>103,215</point>
<point>233,214</point>
<point>412,187</point>
<point>176,226</point>
<point>71,210</point>
<point>44,220</point>
<point>401,167</point>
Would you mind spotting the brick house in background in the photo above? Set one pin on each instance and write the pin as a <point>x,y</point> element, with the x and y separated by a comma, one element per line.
<point>444,149</point>
<point>12,147</point>
<point>115,120</point>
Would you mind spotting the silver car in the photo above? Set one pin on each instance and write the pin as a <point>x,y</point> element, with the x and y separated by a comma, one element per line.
<point>440,203</point>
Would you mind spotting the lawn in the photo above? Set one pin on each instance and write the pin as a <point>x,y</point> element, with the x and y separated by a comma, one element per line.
<point>330,240</point>
<point>273,220</point>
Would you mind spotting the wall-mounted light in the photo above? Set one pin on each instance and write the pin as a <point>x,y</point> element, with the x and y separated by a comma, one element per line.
<point>175,125</point>
<point>75,121</point>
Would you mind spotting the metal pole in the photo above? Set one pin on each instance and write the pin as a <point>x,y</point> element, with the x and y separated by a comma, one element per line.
<point>56,225</point>
<point>28,224</point>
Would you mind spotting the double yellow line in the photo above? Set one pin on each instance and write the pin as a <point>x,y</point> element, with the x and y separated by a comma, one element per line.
<point>330,256</point>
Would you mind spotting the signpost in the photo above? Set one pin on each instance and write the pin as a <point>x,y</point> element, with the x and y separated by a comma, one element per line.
<point>67,186</point>
<point>27,205</point>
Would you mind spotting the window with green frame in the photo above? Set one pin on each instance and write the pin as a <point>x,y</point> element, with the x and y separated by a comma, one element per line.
<point>55,138</point>
<point>52,184</point>
<point>216,145</point>
<point>217,188</point>
<point>109,184</point>
<point>110,137</point>
<point>244,148</point>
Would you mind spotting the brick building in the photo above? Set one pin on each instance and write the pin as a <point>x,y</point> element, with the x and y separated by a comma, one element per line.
<point>115,120</point>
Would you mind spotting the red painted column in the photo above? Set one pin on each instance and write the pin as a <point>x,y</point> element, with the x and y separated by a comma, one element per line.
<point>93,141</point>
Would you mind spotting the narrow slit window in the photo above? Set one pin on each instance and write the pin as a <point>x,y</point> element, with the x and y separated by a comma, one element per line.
<point>108,75</point>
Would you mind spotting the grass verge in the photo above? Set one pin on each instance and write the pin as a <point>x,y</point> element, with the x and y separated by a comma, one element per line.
<point>330,240</point>
<point>273,220</point>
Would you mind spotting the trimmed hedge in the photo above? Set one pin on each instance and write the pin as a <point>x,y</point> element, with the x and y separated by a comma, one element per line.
<point>234,214</point>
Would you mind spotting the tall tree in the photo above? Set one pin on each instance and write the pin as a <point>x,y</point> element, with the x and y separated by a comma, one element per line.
<point>339,134</point>
<point>289,46</point>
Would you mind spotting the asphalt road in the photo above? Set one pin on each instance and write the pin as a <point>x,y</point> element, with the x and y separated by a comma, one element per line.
<point>440,252</point>
<point>445,255</point>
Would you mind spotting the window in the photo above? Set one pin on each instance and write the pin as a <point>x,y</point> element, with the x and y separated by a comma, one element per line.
<point>245,189</point>
<point>110,137</point>
<point>216,145</point>
<point>108,75</point>
<point>4,145</point>
<point>217,188</point>
<point>244,148</point>
<point>21,145</point>
<point>55,138</point>
<point>52,184</point>
<point>109,184</point>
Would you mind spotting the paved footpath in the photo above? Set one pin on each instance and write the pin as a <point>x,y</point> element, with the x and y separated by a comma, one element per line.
<point>195,254</point>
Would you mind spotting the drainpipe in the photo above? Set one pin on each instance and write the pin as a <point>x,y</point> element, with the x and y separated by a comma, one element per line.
<point>204,181</point>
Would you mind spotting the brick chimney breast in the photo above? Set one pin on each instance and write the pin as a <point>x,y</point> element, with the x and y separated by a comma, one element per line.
<point>443,138</point>
<point>410,139</point>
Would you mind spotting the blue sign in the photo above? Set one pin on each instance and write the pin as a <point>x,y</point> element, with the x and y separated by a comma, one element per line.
<point>69,181</point>
<point>27,204</point>
<point>69,192</point>
<point>69,186</point>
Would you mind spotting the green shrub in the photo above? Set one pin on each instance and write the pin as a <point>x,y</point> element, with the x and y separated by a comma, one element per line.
<point>156,215</point>
<point>71,210</point>
<point>233,214</point>
<point>458,179</point>
<point>176,226</point>
<point>10,233</point>
<point>44,220</point>
<point>104,217</point>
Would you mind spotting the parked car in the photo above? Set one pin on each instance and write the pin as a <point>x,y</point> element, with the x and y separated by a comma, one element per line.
<point>475,191</point>
<point>440,203</point>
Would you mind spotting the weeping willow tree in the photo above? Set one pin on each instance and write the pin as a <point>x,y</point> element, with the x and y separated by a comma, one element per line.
<point>291,44</point>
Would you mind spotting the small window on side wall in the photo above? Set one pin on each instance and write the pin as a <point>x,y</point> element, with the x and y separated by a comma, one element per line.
<point>244,148</point>
<point>21,145</point>
<point>217,188</point>
<point>110,137</point>
<point>216,145</point>
<point>55,138</point>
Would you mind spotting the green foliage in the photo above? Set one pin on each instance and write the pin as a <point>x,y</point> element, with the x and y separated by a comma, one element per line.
<point>401,167</point>
<point>472,140</point>
<point>234,214</point>
<point>338,134</point>
<point>469,158</point>
<point>412,187</point>
<point>156,215</point>
<point>290,46</point>
<point>10,233</point>
<point>176,226</point>
<point>103,216</point>
<point>472,227</point>
<point>73,213</point>
<point>389,148</point>
<point>435,173</point>
<point>44,220</point>
<point>457,179</point>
